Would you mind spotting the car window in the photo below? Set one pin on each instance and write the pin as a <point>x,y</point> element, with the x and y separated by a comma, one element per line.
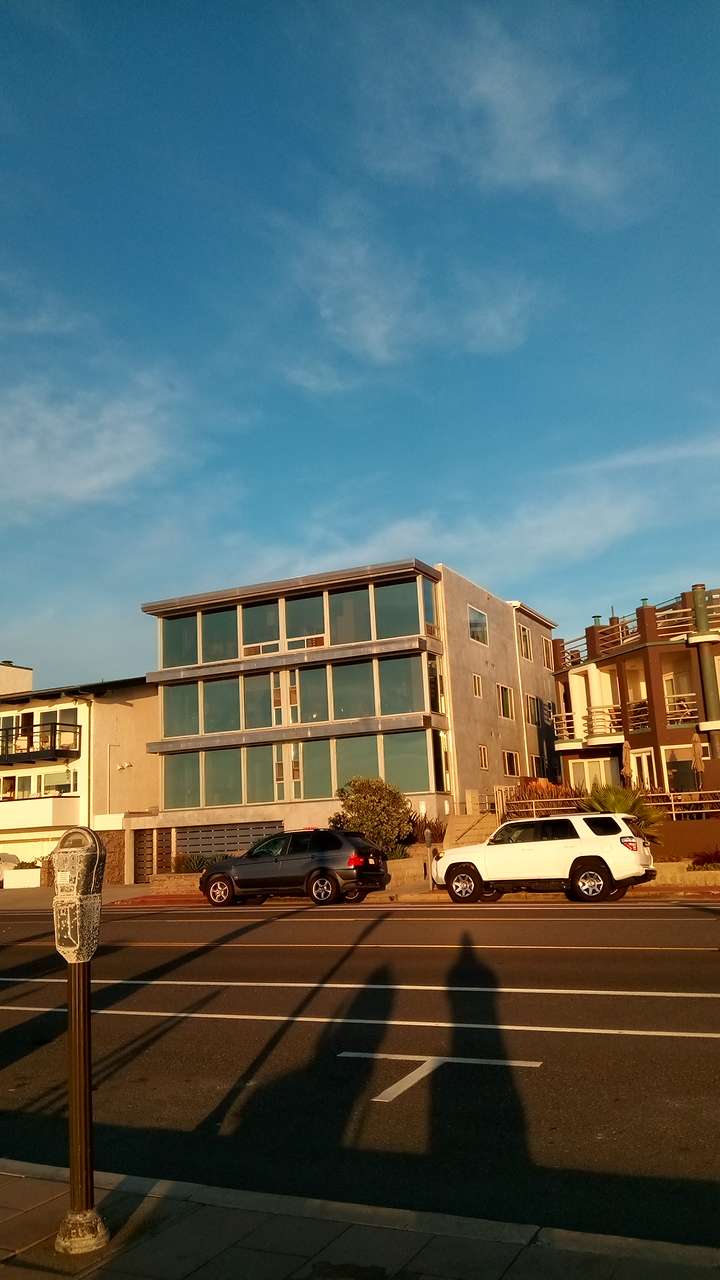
<point>268,848</point>
<point>325,842</point>
<point>514,833</point>
<point>636,827</point>
<point>602,825</point>
<point>556,829</point>
<point>300,842</point>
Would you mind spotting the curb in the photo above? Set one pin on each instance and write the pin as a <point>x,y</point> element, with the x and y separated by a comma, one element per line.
<point>542,1238</point>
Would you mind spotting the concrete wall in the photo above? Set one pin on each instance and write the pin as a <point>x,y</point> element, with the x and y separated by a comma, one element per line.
<point>123,723</point>
<point>683,839</point>
<point>15,679</point>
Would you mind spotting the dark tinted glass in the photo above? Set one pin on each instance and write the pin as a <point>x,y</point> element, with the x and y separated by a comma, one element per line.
<point>401,685</point>
<point>396,610</point>
<point>260,623</point>
<point>180,709</point>
<point>325,842</point>
<point>349,616</point>
<point>179,641</point>
<point>272,847</point>
<point>223,779</point>
<point>556,829</point>
<point>353,690</point>
<point>406,762</point>
<point>514,833</point>
<point>316,769</point>
<point>182,780</point>
<point>221,699</point>
<point>304,617</point>
<point>428,590</point>
<point>356,758</point>
<point>313,693</point>
<point>300,842</point>
<point>603,825</point>
<point>219,635</point>
<point>258,707</point>
<point>259,775</point>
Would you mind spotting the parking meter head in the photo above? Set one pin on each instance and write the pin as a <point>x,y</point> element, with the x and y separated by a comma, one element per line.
<point>428,837</point>
<point>79,866</point>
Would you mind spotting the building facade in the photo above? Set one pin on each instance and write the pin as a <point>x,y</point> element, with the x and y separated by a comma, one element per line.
<point>74,755</point>
<point>273,695</point>
<point>650,680</point>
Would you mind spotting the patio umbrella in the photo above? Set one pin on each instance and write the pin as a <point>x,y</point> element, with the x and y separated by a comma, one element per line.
<point>626,769</point>
<point>698,763</point>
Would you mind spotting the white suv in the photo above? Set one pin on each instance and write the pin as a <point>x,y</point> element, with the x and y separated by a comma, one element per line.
<point>589,857</point>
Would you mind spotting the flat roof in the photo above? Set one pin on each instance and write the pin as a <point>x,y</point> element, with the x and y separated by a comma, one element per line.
<point>532,613</point>
<point>291,586</point>
<point>70,690</point>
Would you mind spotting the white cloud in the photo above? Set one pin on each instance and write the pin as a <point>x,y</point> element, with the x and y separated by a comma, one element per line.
<point>379,307</point>
<point>29,312</point>
<point>695,449</point>
<point>518,110</point>
<point>78,446</point>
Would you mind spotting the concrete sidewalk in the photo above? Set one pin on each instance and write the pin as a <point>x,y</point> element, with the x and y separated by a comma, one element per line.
<point>183,1231</point>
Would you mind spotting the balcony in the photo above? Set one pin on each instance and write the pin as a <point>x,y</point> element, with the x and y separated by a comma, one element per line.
<point>680,709</point>
<point>44,742</point>
<point>604,722</point>
<point>564,726</point>
<point>639,716</point>
<point>42,811</point>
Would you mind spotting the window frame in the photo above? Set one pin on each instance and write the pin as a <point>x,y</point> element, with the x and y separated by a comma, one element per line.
<point>511,701</point>
<point>477,685</point>
<point>472,608</point>
<point>548,650</point>
<point>525,635</point>
<point>483,757</point>
<point>507,755</point>
<point>530,700</point>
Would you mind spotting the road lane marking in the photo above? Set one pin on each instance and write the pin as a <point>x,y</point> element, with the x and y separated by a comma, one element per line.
<point>350,945</point>
<point>388,1023</point>
<point>19,980</point>
<point>426,1068</point>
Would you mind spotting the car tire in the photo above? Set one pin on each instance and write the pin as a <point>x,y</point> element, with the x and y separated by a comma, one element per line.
<point>570,894</point>
<point>616,894</point>
<point>463,883</point>
<point>591,881</point>
<point>355,895</point>
<point>323,889</point>
<point>219,892</point>
<point>251,900</point>
<point>488,893</point>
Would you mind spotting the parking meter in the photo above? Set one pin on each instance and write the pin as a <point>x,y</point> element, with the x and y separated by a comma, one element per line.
<point>79,866</point>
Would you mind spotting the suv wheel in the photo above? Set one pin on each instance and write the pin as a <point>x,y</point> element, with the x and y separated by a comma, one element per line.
<point>463,884</point>
<point>591,882</point>
<point>220,892</point>
<point>355,895</point>
<point>618,892</point>
<point>323,889</point>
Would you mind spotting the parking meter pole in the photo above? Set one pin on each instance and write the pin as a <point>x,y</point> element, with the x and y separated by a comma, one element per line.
<point>79,865</point>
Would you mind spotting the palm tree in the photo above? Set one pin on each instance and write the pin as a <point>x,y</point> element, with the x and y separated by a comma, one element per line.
<point>630,800</point>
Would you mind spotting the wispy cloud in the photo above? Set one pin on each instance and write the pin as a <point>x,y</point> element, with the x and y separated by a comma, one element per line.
<point>79,445</point>
<point>377,306</point>
<point>31,312</point>
<point>704,448</point>
<point>505,104</point>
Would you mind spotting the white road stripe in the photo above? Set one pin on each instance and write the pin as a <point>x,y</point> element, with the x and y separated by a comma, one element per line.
<point>19,980</point>
<point>426,1068</point>
<point>350,944</point>
<point>367,1022</point>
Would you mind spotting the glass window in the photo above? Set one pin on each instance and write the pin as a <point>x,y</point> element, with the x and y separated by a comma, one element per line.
<point>506,707</point>
<point>477,686</point>
<point>316,769</point>
<point>261,626</point>
<point>304,617</point>
<point>356,758</point>
<point>180,710</point>
<point>536,767</point>
<point>325,842</point>
<point>483,756</point>
<point>260,775</point>
<point>349,616</point>
<point>223,778</point>
<point>313,694</point>
<point>532,708</point>
<point>435,689</point>
<point>556,829</point>
<point>440,760</point>
<point>258,702</point>
<point>273,848</point>
<point>68,715</point>
<point>353,691</point>
<point>219,635</point>
<point>478,625</point>
<point>300,842</point>
<point>24,787</point>
<point>401,685</point>
<point>428,593</point>
<point>406,764</point>
<point>182,780</point>
<point>514,833</point>
<point>48,717</point>
<point>511,764</point>
<point>179,641</point>
<point>396,610</point>
<point>602,825</point>
<point>525,640</point>
<point>547,653</point>
<point>221,701</point>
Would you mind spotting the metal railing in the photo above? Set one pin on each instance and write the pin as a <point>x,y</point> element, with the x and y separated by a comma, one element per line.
<point>602,721</point>
<point>575,653</point>
<point>681,708</point>
<point>45,740</point>
<point>674,805</point>
<point>616,634</point>
<point>564,725</point>
<point>673,620</point>
<point>638,716</point>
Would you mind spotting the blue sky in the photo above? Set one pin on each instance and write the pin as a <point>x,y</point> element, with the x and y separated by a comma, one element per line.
<point>300,284</point>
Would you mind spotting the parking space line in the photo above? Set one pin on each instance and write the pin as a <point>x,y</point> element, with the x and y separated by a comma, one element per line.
<point>480,946</point>
<point>388,1023</point>
<point>427,1067</point>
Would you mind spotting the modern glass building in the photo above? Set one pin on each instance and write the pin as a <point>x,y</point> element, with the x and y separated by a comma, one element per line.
<point>273,695</point>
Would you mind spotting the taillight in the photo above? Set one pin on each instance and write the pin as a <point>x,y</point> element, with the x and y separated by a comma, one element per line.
<point>356,860</point>
<point>630,843</point>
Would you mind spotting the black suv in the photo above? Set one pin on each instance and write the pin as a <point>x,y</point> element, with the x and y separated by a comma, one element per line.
<point>325,865</point>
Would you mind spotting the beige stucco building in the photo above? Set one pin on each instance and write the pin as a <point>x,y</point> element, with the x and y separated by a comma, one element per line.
<point>73,755</point>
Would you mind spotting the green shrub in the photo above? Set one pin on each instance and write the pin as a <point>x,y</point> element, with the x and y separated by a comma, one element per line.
<point>188,862</point>
<point>24,866</point>
<point>378,810</point>
<point>630,800</point>
<point>705,862</point>
<point>419,822</point>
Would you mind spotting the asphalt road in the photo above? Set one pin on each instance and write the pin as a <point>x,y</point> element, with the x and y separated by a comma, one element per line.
<point>532,1063</point>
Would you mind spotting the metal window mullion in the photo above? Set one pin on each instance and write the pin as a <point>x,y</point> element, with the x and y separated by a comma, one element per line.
<point>330,691</point>
<point>376,686</point>
<point>380,740</point>
<point>373,620</point>
<point>333,766</point>
<point>282,625</point>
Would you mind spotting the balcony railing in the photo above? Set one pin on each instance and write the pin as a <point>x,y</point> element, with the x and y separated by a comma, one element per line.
<point>575,653</point>
<point>43,742</point>
<point>601,722</point>
<point>638,716</point>
<point>564,727</point>
<point>673,620</point>
<point>681,708</point>
<point>674,805</point>
<point>616,634</point>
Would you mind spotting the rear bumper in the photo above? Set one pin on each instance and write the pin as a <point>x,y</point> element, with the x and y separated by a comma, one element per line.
<point>645,878</point>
